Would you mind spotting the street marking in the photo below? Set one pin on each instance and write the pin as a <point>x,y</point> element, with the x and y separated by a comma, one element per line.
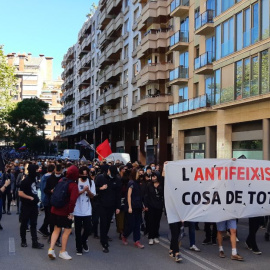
<point>194,255</point>
<point>11,246</point>
<point>188,258</point>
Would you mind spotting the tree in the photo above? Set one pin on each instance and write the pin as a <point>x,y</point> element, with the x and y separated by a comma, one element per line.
<point>27,122</point>
<point>8,90</point>
<point>92,10</point>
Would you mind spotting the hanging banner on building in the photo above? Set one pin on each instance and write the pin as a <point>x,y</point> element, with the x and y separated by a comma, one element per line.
<point>213,190</point>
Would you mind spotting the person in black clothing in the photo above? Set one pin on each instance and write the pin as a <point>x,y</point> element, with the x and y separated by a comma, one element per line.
<point>95,206</point>
<point>2,190</point>
<point>48,190</point>
<point>29,208</point>
<point>7,195</point>
<point>154,202</point>
<point>108,187</point>
<point>19,179</point>
<point>134,210</point>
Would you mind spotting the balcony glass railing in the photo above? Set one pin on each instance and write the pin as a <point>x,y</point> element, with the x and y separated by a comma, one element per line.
<point>179,73</point>
<point>203,60</point>
<point>204,18</point>
<point>227,47</point>
<point>180,36</point>
<point>251,36</point>
<point>176,3</point>
<point>189,105</point>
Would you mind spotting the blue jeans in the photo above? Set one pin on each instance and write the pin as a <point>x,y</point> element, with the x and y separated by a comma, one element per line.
<point>191,233</point>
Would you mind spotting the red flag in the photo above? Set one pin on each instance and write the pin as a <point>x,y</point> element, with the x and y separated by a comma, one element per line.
<point>103,150</point>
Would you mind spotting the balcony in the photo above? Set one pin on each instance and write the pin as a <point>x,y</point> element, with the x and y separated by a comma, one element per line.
<point>153,12</point>
<point>113,5</point>
<point>114,70</point>
<point>113,93</point>
<point>100,121</point>
<point>204,24</point>
<point>155,39</point>
<point>203,65</point>
<point>190,105</point>
<point>153,104</point>
<point>114,48</point>
<point>105,19</point>
<point>179,8</point>
<point>179,76</point>
<point>115,24</point>
<point>179,41</point>
<point>154,72</point>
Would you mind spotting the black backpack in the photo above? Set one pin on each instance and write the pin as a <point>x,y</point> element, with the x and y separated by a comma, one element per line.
<point>60,196</point>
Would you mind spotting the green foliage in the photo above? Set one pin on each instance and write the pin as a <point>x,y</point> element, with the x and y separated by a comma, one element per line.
<point>92,10</point>
<point>26,121</point>
<point>7,91</point>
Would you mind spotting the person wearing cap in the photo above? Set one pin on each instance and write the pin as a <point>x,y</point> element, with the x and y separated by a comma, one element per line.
<point>108,188</point>
<point>62,217</point>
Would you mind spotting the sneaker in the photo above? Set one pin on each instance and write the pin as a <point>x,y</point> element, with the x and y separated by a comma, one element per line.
<point>37,245</point>
<point>51,254</point>
<point>248,246</point>
<point>237,240</point>
<point>256,251</point>
<point>178,258</point>
<point>156,240</point>
<point>214,242</point>
<point>171,254</point>
<point>151,242</point>
<point>23,244</point>
<point>237,257</point>
<point>85,248</point>
<point>266,237</point>
<point>138,244</point>
<point>1,228</point>
<point>222,254</point>
<point>27,230</point>
<point>78,252</point>
<point>44,234</point>
<point>206,242</point>
<point>194,248</point>
<point>64,255</point>
<point>105,250</point>
<point>124,240</point>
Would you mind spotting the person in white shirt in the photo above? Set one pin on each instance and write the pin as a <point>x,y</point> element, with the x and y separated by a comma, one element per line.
<point>83,210</point>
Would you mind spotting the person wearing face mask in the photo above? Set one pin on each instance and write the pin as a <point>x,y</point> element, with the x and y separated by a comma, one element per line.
<point>19,178</point>
<point>95,206</point>
<point>108,186</point>
<point>154,202</point>
<point>83,210</point>
<point>29,207</point>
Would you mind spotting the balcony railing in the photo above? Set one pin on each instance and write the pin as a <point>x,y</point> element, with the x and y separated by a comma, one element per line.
<point>176,3</point>
<point>180,36</point>
<point>204,18</point>
<point>204,60</point>
<point>189,105</point>
<point>179,73</point>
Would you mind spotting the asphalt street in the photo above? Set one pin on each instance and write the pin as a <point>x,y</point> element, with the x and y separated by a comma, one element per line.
<point>12,256</point>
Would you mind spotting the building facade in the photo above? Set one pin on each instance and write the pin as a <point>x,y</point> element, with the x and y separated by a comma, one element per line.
<point>34,76</point>
<point>170,79</point>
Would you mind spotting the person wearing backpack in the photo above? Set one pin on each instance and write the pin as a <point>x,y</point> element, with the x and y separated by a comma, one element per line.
<point>63,202</point>
<point>83,210</point>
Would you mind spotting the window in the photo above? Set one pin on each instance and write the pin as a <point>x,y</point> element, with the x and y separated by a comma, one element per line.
<point>239,78</point>
<point>135,42</point>
<point>125,101</point>
<point>218,42</point>
<point>264,72</point>
<point>209,90</point>
<point>265,19</point>
<point>217,86</point>
<point>239,31</point>
<point>246,78</point>
<point>126,26</point>
<point>255,23</point>
<point>125,78</point>
<point>136,15</point>
<point>247,26</point>
<point>228,37</point>
<point>136,69</point>
<point>126,52</point>
<point>183,94</point>
<point>254,76</point>
<point>184,59</point>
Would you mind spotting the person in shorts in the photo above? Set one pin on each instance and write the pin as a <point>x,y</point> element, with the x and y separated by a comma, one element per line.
<point>62,217</point>
<point>222,227</point>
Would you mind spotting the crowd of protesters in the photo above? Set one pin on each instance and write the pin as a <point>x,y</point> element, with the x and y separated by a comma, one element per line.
<point>95,193</point>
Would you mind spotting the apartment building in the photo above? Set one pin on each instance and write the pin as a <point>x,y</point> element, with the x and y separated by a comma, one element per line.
<point>221,81</point>
<point>170,79</point>
<point>115,82</point>
<point>34,76</point>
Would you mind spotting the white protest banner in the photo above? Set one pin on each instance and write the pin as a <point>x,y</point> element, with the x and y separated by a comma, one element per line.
<point>213,190</point>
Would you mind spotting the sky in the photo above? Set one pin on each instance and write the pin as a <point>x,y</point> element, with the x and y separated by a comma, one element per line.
<point>46,27</point>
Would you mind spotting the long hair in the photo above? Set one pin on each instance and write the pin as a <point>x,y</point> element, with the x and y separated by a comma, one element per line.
<point>133,174</point>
